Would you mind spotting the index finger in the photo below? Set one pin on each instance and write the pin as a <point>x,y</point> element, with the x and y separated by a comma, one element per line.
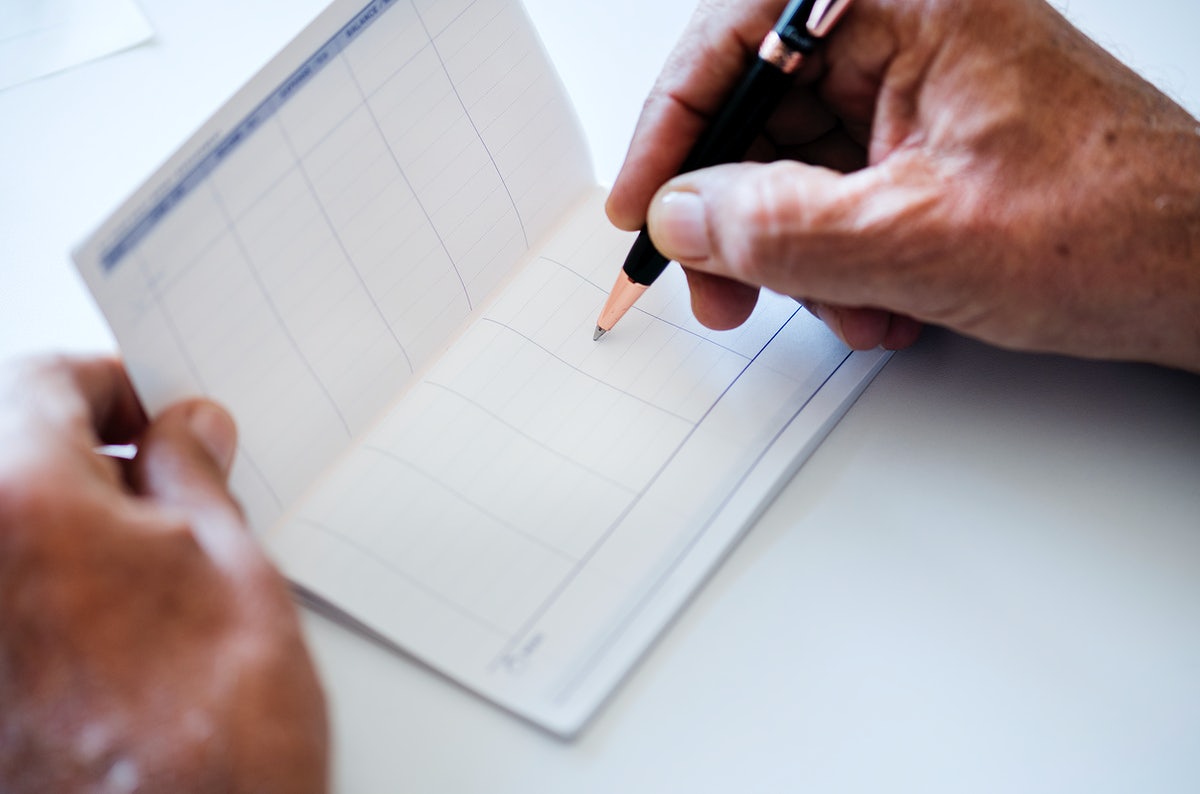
<point>702,69</point>
<point>91,398</point>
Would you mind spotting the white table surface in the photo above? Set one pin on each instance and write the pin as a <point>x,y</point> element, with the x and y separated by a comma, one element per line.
<point>986,580</point>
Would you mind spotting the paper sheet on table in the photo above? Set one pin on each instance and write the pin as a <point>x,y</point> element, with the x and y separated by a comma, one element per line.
<point>40,37</point>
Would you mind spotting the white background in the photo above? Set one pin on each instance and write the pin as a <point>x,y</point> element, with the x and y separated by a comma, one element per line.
<point>987,579</point>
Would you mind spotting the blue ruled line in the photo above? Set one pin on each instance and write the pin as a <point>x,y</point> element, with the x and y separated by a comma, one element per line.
<point>111,257</point>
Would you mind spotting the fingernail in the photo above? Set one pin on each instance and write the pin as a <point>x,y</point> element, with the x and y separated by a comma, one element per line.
<point>679,225</point>
<point>216,432</point>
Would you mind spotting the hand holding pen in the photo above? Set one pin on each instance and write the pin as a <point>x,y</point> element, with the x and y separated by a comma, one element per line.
<point>976,164</point>
<point>727,137</point>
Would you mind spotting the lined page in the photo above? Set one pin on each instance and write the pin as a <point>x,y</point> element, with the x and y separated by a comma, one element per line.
<point>333,227</point>
<point>504,516</point>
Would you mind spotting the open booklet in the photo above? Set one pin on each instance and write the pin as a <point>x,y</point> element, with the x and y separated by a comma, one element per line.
<point>386,255</point>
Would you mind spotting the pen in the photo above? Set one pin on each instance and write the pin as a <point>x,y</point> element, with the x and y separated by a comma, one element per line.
<point>800,28</point>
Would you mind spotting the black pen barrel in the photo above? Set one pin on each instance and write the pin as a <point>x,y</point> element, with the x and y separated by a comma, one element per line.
<point>726,140</point>
<point>741,119</point>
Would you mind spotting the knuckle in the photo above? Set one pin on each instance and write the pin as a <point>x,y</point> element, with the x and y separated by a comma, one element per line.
<point>224,537</point>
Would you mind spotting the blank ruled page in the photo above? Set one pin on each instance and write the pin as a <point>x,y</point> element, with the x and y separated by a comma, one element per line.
<point>386,256</point>
<point>337,223</point>
<point>503,518</point>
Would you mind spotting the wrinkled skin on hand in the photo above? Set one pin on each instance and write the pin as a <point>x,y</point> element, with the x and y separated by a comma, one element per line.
<point>145,642</point>
<point>978,164</point>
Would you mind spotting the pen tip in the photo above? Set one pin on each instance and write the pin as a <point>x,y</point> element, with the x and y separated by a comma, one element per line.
<point>599,333</point>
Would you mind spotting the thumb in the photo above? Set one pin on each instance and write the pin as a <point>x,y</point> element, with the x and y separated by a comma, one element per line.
<point>802,230</point>
<point>183,462</point>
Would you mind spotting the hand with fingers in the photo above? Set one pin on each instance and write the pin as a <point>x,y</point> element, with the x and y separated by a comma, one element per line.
<point>976,164</point>
<point>145,642</point>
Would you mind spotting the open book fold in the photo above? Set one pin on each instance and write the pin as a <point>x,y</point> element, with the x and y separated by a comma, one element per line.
<point>386,255</point>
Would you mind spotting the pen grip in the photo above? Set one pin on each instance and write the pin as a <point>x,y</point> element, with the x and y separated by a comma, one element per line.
<point>724,141</point>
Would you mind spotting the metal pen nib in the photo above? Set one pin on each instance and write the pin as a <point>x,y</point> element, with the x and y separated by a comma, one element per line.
<point>624,294</point>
